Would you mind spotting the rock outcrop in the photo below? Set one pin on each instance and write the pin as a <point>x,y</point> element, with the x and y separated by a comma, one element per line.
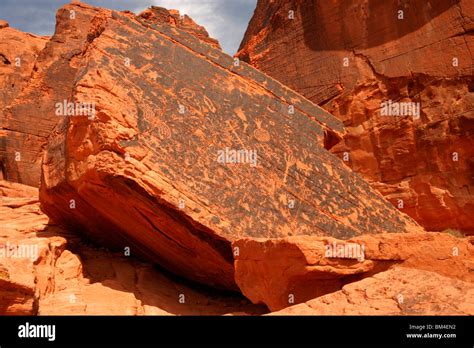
<point>355,57</point>
<point>18,53</point>
<point>398,291</point>
<point>28,122</point>
<point>187,150</point>
<point>148,139</point>
<point>32,115</point>
<point>281,272</point>
<point>175,19</point>
<point>46,270</point>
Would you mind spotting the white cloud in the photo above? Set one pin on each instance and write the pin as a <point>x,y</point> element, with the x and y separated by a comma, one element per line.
<point>205,13</point>
<point>223,22</point>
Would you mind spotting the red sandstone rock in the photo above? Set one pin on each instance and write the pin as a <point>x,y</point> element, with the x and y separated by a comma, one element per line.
<point>18,52</point>
<point>351,56</point>
<point>398,291</point>
<point>60,275</point>
<point>184,22</point>
<point>140,174</point>
<point>146,172</point>
<point>28,117</point>
<point>281,272</point>
<point>28,122</point>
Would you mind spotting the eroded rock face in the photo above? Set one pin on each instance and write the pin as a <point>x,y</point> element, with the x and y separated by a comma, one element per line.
<point>32,115</point>
<point>18,52</point>
<point>188,151</point>
<point>398,291</point>
<point>351,57</point>
<point>282,272</point>
<point>50,271</point>
<point>26,118</point>
<point>183,22</point>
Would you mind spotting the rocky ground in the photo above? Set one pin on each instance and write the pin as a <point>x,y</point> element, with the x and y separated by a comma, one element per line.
<point>53,271</point>
<point>64,274</point>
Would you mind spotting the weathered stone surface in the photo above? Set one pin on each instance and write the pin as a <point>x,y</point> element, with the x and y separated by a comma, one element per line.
<point>18,52</point>
<point>16,298</point>
<point>58,274</point>
<point>351,56</point>
<point>144,173</point>
<point>398,291</point>
<point>184,22</point>
<point>11,189</point>
<point>27,123</point>
<point>280,272</point>
<point>29,116</point>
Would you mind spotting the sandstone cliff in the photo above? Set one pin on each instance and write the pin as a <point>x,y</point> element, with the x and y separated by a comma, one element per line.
<point>18,53</point>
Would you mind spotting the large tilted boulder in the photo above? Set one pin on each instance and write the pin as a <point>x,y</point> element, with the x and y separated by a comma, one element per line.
<point>185,150</point>
<point>18,53</point>
<point>351,57</point>
<point>282,272</point>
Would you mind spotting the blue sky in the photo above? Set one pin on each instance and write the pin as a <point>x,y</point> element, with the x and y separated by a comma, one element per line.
<point>225,20</point>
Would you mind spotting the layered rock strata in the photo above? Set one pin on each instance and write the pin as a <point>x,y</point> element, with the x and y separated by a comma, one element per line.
<point>18,53</point>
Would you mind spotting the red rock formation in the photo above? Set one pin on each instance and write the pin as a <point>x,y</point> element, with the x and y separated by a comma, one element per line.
<point>50,271</point>
<point>32,114</point>
<point>18,52</point>
<point>183,22</point>
<point>65,276</point>
<point>398,291</point>
<point>350,57</point>
<point>28,121</point>
<point>280,272</point>
<point>150,171</point>
<point>142,171</point>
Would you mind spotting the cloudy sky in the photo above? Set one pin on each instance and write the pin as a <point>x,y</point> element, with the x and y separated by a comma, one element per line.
<point>225,20</point>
